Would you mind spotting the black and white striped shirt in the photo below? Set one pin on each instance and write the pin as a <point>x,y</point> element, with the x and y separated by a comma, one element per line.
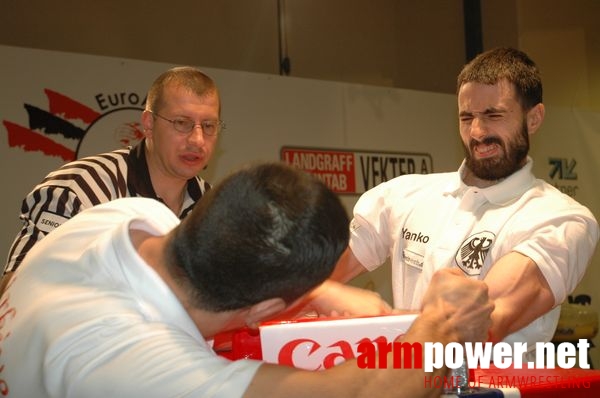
<point>84,183</point>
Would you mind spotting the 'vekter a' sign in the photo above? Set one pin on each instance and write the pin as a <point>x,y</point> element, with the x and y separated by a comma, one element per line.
<point>354,172</point>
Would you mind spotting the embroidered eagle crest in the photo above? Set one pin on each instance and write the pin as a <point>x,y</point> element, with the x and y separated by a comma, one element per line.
<point>472,253</point>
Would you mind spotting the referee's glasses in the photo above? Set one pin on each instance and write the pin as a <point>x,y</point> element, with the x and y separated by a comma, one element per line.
<point>209,128</point>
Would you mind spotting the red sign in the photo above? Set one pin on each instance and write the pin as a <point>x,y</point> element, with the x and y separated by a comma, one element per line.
<point>354,172</point>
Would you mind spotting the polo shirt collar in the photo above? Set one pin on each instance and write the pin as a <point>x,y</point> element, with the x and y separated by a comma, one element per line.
<point>140,184</point>
<point>501,193</point>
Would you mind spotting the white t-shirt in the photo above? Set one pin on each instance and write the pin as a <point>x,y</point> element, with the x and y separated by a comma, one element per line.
<point>86,317</point>
<point>428,222</point>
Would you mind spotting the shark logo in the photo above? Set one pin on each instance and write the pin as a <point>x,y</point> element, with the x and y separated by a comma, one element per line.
<point>472,253</point>
<point>71,130</point>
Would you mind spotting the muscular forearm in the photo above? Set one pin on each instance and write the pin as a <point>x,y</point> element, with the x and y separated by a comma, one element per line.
<point>520,292</point>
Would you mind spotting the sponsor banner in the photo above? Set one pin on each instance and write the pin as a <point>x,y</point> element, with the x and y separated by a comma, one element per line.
<point>354,172</point>
<point>321,344</point>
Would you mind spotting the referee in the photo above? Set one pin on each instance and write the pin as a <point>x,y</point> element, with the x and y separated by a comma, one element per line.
<point>181,124</point>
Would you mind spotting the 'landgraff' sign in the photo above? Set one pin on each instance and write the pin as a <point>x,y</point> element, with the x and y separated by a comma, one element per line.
<point>354,172</point>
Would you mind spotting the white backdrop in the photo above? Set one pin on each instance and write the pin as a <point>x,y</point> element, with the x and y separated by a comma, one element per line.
<point>99,99</point>
<point>264,113</point>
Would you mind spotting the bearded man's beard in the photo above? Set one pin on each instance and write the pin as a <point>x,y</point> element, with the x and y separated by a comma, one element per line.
<point>513,159</point>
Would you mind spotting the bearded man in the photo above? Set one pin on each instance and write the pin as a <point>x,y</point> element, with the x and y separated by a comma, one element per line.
<point>530,243</point>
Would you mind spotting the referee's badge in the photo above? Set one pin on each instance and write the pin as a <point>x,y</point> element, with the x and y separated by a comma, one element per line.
<point>48,221</point>
<point>472,253</point>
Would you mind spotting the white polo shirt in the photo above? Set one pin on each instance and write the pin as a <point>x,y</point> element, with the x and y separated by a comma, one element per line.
<point>428,222</point>
<point>87,317</point>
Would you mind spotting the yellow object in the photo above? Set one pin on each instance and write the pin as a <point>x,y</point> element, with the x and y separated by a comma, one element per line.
<point>576,322</point>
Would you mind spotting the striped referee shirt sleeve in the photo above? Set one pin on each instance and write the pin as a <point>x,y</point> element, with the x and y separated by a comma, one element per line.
<point>44,209</point>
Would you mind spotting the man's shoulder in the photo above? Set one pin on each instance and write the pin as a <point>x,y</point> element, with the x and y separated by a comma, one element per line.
<point>547,192</point>
<point>545,200</point>
<point>118,158</point>
<point>109,164</point>
<point>419,181</point>
<point>415,187</point>
<point>102,176</point>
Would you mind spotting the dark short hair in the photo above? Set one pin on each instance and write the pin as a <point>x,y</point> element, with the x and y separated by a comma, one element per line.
<point>268,230</point>
<point>188,77</point>
<point>510,64</point>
